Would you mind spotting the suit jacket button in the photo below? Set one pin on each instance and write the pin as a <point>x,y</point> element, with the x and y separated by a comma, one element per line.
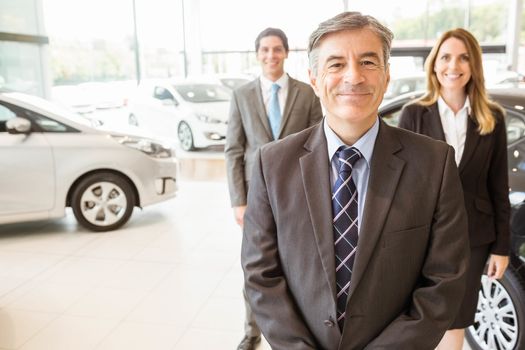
<point>329,323</point>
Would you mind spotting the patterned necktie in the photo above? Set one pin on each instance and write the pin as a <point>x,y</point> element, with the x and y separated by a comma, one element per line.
<point>274,111</point>
<point>344,206</point>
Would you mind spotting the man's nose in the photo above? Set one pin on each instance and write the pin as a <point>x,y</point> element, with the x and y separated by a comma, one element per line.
<point>353,74</point>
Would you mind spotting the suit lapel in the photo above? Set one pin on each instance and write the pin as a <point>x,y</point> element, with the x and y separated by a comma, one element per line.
<point>318,197</point>
<point>471,142</point>
<point>257,100</point>
<point>385,171</point>
<point>293,91</point>
<point>434,123</point>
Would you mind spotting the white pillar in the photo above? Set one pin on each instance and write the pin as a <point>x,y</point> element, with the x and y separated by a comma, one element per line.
<point>193,37</point>
<point>513,33</point>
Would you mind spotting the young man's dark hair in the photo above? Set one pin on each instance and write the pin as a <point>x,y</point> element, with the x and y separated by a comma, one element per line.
<point>271,32</point>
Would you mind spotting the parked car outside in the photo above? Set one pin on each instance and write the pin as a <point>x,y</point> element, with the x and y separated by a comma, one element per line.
<point>193,112</point>
<point>108,95</point>
<point>73,98</point>
<point>52,159</point>
<point>500,318</point>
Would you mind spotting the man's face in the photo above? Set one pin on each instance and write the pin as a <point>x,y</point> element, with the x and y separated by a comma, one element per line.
<point>271,55</point>
<point>351,77</point>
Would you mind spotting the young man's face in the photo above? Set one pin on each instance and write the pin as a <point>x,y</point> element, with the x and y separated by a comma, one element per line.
<point>351,76</point>
<point>271,55</point>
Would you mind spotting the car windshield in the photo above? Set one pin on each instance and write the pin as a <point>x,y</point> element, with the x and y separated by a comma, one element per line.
<point>201,93</point>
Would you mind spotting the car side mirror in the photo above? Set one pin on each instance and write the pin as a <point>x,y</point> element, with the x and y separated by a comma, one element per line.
<point>18,126</point>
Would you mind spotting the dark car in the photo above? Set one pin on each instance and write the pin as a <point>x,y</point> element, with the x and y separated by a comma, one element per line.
<point>500,317</point>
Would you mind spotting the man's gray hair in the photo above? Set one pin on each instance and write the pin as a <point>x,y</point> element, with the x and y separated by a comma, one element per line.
<point>348,21</point>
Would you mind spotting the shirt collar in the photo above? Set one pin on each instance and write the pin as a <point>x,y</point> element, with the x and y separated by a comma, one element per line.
<point>444,108</point>
<point>266,84</point>
<point>365,144</point>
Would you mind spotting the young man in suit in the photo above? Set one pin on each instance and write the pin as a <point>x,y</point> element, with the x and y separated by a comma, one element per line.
<point>355,235</point>
<point>266,109</point>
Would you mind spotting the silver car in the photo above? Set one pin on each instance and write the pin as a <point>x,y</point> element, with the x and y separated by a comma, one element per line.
<point>52,159</point>
<point>194,112</point>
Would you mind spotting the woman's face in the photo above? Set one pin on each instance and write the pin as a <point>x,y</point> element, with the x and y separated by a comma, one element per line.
<point>452,66</point>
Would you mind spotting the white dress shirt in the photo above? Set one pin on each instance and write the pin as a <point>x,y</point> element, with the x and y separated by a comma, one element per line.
<point>266,88</point>
<point>454,125</point>
<point>361,169</point>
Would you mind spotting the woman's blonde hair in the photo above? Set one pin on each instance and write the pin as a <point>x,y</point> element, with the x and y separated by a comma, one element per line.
<point>483,109</point>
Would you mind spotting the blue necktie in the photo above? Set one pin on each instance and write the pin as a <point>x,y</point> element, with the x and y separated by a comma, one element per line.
<point>274,111</point>
<point>344,209</point>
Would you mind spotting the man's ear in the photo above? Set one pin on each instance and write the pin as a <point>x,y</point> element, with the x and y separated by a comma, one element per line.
<point>313,81</point>
<point>387,74</point>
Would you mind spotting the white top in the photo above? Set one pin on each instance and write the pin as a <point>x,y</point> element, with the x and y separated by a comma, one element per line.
<point>266,88</point>
<point>454,125</point>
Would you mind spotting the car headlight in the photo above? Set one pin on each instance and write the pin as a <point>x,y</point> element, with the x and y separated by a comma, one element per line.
<point>207,119</point>
<point>150,147</point>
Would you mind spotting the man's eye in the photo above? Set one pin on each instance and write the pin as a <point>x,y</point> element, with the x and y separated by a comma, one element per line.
<point>335,65</point>
<point>369,64</point>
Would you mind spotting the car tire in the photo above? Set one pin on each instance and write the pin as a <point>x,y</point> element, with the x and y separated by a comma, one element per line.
<point>185,136</point>
<point>495,328</point>
<point>132,120</point>
<point>103,201</point>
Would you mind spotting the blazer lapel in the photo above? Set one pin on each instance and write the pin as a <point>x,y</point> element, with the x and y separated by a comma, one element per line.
<point>385,171</point>
<point>434,123</point>
<point>318,196</point>
<point>256,97</point>
<point>293,91</point>
<point>471,142</point>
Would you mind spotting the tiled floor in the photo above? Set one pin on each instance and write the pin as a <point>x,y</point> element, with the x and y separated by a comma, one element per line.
<point>170,279</point>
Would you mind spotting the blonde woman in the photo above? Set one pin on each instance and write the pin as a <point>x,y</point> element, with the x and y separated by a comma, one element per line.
<point>457,110</point>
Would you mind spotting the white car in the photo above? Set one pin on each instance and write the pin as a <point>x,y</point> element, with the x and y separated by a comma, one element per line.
<point>193,112</point>
<point>52,159</point>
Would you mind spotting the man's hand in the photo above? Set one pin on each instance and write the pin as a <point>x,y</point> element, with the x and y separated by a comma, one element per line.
<point>238,213</point>
<point>497,266</point>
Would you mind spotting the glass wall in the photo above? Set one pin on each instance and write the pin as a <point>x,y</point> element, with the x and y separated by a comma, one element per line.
<point>23,47</point>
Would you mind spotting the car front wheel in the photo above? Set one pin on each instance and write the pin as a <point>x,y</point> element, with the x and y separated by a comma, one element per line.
<point>103,201</point>
<point>500,316</point>
<point>185,137</point>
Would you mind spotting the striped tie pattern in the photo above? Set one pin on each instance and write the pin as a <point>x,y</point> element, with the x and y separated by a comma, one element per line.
<point>344,209</point>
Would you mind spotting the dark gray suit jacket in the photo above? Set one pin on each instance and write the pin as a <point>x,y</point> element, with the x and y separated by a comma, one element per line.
<point>411,260</point>
<point>483,171</point>
<point>249,129</point>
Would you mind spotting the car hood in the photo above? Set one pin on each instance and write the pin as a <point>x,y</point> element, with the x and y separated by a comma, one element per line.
<point>217,110</point>
<point>132,131</point>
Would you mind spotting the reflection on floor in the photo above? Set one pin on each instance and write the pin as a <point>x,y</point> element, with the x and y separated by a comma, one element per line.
<point>170,279</point>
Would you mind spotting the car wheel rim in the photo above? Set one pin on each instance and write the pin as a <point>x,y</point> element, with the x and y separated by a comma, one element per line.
<point>185,137</point>
<point>103,203</point>
<point>496,321</point>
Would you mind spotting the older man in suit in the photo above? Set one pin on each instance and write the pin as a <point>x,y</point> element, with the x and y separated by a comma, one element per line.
<point>266,109</point>
<point>355,235</point>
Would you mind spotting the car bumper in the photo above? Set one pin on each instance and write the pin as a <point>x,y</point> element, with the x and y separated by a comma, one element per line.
<point>159,182</point>
<point>205,134</point>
